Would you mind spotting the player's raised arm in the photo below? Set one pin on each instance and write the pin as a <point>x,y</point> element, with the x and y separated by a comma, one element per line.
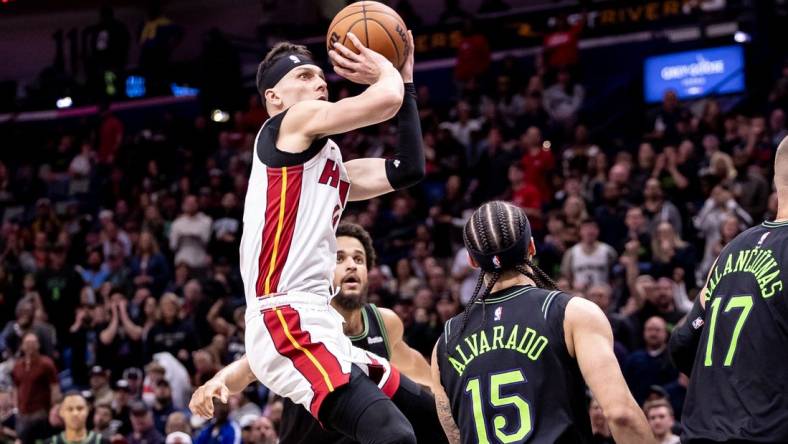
<point>373,177</point>
<point>590,339</point>
<point>311,119</point>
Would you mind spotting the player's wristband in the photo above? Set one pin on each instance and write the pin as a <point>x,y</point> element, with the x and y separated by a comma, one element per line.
<point>407,167</point>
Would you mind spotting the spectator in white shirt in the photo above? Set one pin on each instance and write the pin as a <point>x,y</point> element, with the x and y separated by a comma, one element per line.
<point>718,207</point>
<point>190,234</point>
<point>589,261</point>
<point>79,169</point>
<point>563,99</point>
<point>465,126</point>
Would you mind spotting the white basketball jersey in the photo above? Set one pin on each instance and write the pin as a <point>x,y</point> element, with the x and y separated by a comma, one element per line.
<point>290,217</point>
<point>593,268</point>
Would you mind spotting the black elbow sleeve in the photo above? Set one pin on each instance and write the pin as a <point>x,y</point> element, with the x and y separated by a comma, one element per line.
<point>407,168</point>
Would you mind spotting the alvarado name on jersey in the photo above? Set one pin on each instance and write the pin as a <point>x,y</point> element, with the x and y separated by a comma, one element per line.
<point>501,337</point>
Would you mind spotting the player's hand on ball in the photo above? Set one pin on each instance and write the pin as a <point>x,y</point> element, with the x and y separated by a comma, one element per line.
<point>202,399</point>
<point>364,67</point>
<point>407,69</point>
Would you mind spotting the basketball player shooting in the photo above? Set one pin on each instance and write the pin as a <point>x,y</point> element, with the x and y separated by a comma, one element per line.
<point>297,191</point>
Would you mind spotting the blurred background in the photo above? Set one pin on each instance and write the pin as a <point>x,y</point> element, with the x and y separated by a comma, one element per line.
<point>638,136</point>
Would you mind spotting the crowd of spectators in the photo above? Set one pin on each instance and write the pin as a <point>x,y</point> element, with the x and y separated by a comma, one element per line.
<point>119,249</point>
<point>95,63</point>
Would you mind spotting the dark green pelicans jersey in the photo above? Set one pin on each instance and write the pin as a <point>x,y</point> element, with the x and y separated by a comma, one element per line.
<point>298,426</point>
<point>509,376</point>
<point>739,385</point>
<point>91,438</point>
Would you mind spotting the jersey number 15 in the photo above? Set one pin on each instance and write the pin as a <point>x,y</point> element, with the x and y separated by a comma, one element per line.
<point>497,381</point>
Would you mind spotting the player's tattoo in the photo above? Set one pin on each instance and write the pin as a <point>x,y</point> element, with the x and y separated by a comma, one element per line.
<point>447,421</point>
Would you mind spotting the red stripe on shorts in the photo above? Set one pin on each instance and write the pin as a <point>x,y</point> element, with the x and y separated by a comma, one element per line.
<point>377,371</point>
<point>327,365</point>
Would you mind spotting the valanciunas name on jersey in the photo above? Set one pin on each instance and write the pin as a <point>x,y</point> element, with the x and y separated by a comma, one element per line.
<point>759,262</point>
<point>528,342</point>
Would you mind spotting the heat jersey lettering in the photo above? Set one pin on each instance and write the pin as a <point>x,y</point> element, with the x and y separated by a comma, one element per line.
<point>330,176</point>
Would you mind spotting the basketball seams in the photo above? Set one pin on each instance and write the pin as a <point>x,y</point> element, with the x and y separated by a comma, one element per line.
<point>391,14</point>
<point>380,37</point>
<point>366,31</point>
<point>335,22</point>
<point>373,6</point>
<point>384,18</point>
<point>395,16</point>
<point>349,29</point>
<point>393,42</point>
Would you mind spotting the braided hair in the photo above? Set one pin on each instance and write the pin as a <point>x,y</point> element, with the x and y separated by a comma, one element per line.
<point>497,236</point>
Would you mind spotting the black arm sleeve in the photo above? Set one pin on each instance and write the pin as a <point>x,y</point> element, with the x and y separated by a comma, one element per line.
<point>407,167</point>
<point>685,338</point>
<point>418,406</point>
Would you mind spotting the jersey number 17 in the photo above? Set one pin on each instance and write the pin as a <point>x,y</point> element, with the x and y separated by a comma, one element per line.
<point>743,302</point>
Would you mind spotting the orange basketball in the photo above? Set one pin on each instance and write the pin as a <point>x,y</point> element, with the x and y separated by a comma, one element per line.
<point>378,27</point>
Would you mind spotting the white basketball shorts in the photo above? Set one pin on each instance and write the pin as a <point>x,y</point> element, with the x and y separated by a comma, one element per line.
<point>296,347</point>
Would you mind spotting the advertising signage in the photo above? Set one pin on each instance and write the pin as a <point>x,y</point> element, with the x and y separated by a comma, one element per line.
<point>694,74</point>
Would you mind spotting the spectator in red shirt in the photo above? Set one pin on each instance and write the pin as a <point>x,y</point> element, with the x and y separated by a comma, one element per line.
<point>37,389</point>
<point>537,160</point>
<point>110,136</point>
<point>473,54</point>
<point>526,196</point>
<point>560,45</point>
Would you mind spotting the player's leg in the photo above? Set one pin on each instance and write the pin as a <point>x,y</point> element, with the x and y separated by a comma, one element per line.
<point>361,411</point>
<point>415,403</point>
<point>288,353</point>
<point>299,351</point>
